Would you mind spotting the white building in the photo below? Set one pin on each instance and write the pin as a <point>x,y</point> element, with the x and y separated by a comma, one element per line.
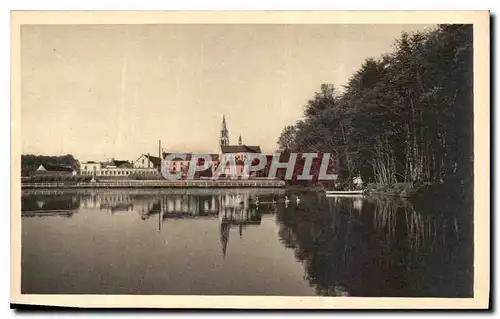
<point>147,161</point>
<point>113,169</point>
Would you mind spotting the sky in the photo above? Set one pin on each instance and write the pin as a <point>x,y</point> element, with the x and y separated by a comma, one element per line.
<point>113,91</point>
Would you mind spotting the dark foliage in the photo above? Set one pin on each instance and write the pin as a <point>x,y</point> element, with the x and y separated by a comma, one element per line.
<point>30,162</point>
<point>406,117</point>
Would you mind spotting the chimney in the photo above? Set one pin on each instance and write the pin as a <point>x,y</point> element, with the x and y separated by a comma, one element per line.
<point>159,154</point>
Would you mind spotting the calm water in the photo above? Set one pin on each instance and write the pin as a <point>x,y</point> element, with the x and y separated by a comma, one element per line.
<point>218,242</point>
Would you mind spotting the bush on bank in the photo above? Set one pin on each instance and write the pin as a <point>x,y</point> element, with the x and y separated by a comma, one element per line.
<point>58,178</point>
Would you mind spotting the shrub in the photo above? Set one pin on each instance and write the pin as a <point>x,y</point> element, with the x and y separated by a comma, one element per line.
<point>59,179</point>
<point>138,176</point>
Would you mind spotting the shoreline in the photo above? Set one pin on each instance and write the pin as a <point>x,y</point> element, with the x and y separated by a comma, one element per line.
<point>158,184</point>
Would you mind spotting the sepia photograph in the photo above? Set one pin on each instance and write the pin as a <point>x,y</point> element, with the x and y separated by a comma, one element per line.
<point>250,160</point>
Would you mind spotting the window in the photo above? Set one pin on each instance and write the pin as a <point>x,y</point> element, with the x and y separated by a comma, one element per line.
<point>85,167</point>
<point>143,161</point>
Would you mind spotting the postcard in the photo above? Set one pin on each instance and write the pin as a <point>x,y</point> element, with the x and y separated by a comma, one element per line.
<point>250,160</point>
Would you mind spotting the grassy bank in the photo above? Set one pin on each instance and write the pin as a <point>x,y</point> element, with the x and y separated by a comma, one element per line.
<point>397,190</point>
<point>450,190</point>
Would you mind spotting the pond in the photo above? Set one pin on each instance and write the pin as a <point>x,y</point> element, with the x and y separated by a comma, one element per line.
<point>241,242</point>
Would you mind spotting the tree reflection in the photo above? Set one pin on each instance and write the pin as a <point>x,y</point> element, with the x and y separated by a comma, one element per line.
<point>44,205</point>
<point>379,247</point>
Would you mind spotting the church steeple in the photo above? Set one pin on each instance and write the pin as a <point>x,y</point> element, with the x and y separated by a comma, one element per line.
<point>239,140</point>
<point>224,133</point>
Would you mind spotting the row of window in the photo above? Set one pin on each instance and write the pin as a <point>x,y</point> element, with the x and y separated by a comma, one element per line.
<point>126,172</point>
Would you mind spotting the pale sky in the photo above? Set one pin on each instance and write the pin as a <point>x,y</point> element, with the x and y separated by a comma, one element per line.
<point>102,91</point>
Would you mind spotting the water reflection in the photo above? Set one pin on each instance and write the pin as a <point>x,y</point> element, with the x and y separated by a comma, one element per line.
<point>44,205</point>
<point>380,247</point>
<point>346,246</point>
<point>234,208</point>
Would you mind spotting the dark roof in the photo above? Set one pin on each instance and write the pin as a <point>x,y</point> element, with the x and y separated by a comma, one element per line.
<point>121,164</point>
<point>57,168</point>
<point>90,162</point>
<point>154,159</point>
<point>179,156</point>
<point>240,149</point>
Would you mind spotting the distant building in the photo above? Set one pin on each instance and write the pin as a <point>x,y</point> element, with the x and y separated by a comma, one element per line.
<point>224,133</point>
<point>240,151</point>
<point>147,161</point>
<point>50,169</point>
<point>179,162</point>
<point>90,167</point>
<point>120,164</point>
<point>113,169</point>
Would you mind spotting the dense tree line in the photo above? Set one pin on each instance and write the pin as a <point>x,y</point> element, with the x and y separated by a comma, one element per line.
<point>406,117</point>
<point>30,162</point>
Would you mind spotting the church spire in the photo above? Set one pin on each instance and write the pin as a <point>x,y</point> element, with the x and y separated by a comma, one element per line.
<point>224,133</point>
<point>239,140</point>
<point>223,126</point>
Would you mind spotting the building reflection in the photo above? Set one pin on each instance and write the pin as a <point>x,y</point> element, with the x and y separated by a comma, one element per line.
<point>236,210</point>
<point>230,209</point>
<point>239,211</point>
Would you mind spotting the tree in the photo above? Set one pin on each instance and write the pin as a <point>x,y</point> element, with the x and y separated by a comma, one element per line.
<point>405,117</point>
<point>286,139</point>
<point>30,162</point>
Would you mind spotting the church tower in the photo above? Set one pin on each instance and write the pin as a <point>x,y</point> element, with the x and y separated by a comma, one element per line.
<point>224,133</point>
<point>239,140</point>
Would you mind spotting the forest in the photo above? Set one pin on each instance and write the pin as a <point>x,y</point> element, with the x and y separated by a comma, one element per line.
<point>30,162</point>
<point>405,117</point>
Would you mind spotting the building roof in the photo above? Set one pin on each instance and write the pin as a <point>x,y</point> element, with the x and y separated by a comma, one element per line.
<point>154,159</point>
<point>121,163</point>
<point>188,156</point>
<point>240,149</point>
<point>178,156</point>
